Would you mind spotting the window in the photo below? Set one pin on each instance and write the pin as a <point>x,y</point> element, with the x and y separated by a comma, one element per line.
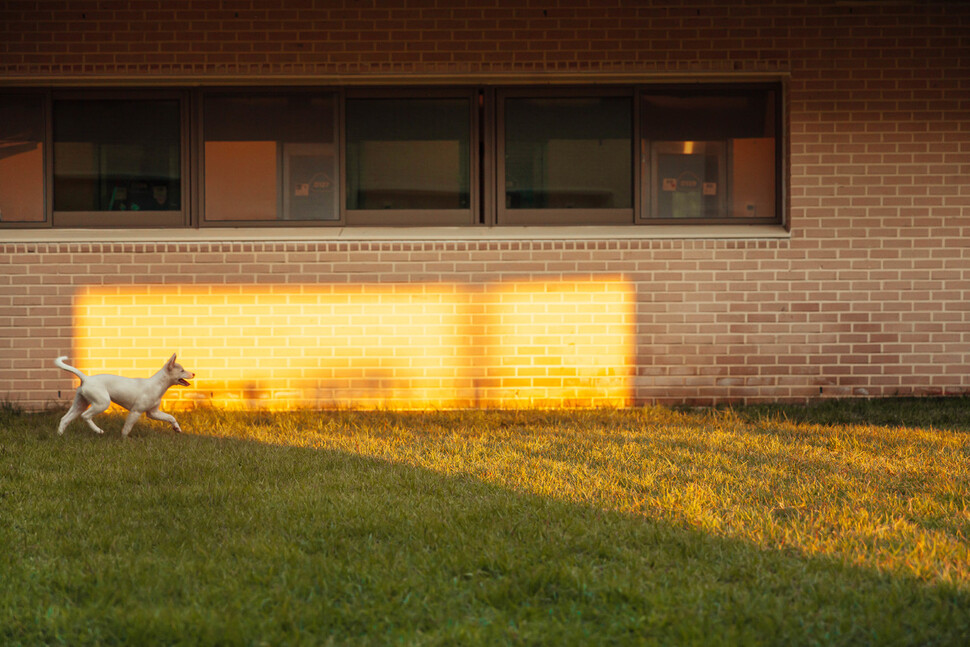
<point>117,161</point>
<point>710,154</point>
<point>270,157</point>
<point>697,153</point>
<point>566,159</point>
<point>408,159</point>
<point>22,124</point>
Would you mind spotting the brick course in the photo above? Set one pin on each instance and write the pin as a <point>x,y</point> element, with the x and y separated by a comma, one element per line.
<point>733,320</point>
<point>868,297</point>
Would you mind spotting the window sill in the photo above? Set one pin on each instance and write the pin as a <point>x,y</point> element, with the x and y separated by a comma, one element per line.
<point>433,234</point>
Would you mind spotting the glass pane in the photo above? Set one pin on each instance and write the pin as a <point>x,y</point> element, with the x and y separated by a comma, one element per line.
<point>690,176</point>
<point>569,153</point>
<point>270,157</point>
<point>711,153</point>
<point>408,154</point>
<point>117,155</point>
<point>21,159</point>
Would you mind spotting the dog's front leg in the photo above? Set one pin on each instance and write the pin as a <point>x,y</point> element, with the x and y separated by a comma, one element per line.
<point>130,421</point>
<point>158,414</point>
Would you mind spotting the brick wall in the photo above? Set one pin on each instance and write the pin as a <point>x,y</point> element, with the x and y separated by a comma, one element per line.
<point>868,297</point>
<point>255,37</point>
<point>463,324</point>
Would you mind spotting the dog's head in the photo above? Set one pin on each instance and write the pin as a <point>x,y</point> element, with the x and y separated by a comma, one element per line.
<point>177,374</point>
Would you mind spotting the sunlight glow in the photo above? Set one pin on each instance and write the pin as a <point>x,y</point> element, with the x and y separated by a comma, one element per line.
<point>563,342</point>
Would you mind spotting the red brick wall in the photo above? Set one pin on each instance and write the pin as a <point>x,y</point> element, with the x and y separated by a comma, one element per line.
<point>868,297</point>
<point>257,37</point>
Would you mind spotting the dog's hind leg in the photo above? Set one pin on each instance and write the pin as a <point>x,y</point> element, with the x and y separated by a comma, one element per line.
<point>79,405</point>
<point>157,414</point>
<point>98,405</point>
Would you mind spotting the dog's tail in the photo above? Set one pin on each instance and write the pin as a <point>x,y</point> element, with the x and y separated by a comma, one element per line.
<point>60,363</point>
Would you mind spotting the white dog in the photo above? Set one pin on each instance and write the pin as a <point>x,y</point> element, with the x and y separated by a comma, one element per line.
<point>138,395</point>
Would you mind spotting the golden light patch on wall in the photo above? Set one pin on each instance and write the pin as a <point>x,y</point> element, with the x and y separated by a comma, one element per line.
<point>556,343</point>
<point>565,342</point>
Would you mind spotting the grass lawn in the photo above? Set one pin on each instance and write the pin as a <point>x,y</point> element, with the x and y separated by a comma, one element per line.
<point>844,523</point>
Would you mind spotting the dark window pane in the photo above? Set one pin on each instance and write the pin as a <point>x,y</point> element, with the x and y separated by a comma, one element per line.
<point>691,177</point>
<point>569,153</point>
<point>117,155</point>
<point>408,153</point>
<point>21,159</point>
<point>270,157</point>
<point>711,153</point>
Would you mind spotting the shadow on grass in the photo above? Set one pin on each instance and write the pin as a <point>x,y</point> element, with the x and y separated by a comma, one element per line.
<point>195,540</point>
<point>949,413</point>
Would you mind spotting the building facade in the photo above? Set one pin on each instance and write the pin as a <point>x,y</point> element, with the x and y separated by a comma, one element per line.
<point>421,204</point>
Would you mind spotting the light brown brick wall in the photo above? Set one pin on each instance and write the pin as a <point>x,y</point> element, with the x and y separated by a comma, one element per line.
<point>869,296</point>
<point>487,323</point>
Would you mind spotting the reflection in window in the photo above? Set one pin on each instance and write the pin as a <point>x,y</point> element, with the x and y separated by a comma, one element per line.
<point>270,157</point>
<point>568,153</point>
<point>710,153</point>
<point>21,159</point>
<point>408,153</point>
<point>117,155</point>
<point>691,176</point>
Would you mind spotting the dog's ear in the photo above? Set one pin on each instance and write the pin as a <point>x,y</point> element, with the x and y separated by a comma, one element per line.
<point>171,361</point>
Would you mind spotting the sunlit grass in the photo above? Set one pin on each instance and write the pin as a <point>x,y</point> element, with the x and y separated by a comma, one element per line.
<point>892,498</point>
<point>766,525</point>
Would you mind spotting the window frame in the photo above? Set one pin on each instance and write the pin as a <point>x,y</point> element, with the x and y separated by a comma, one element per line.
<point>486,163</point>
<point>554,217</point>
<point>417,217</point>
<point>646,154</point>
<point>122,219</point>
<point>47,160</point>
<point>198,151</point>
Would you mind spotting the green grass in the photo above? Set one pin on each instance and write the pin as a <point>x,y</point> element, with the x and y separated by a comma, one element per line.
<point>842,523</point>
